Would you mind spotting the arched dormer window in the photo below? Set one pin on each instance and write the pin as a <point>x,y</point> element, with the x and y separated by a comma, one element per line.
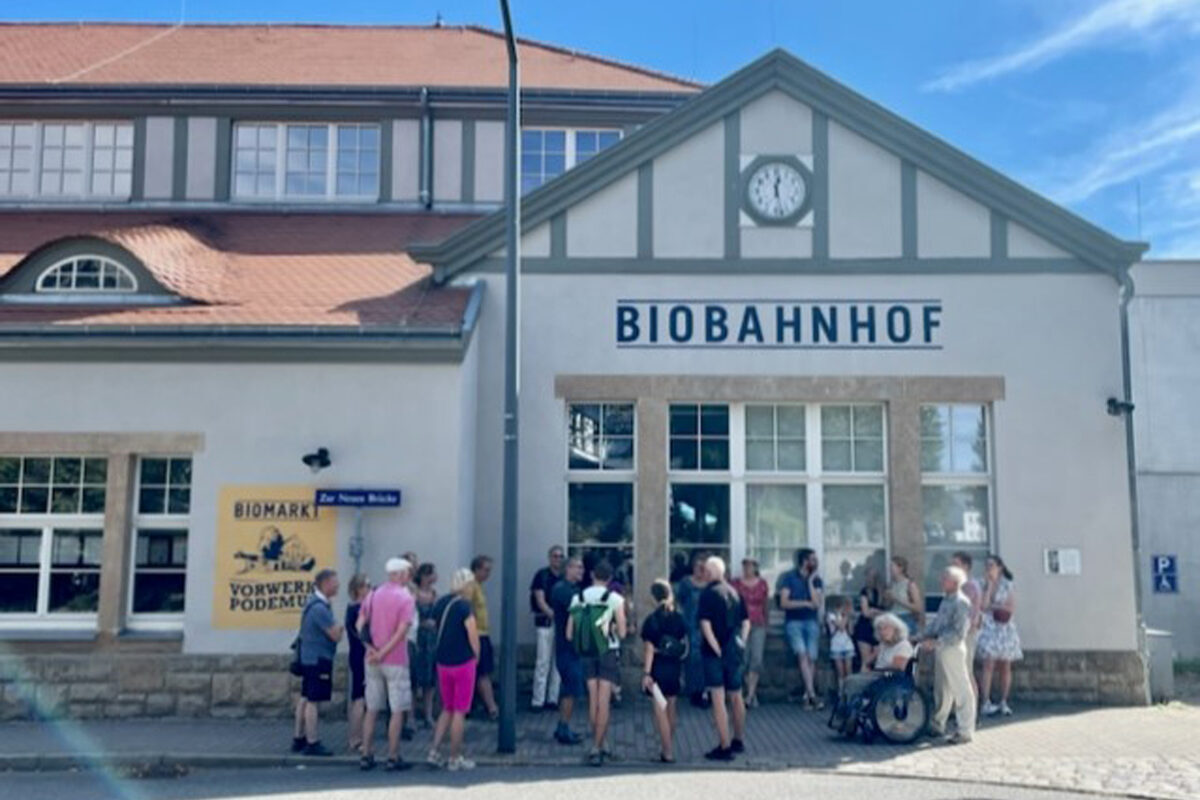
<point>87,274</point>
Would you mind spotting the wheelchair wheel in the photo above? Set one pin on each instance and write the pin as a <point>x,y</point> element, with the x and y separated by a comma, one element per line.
<point>900,713</point>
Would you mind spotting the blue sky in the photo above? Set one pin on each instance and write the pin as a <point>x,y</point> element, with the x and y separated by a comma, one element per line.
<point>1085,101</point>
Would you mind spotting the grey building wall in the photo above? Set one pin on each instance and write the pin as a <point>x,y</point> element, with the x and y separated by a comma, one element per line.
<point>160,158</point>
<point>201,158</point>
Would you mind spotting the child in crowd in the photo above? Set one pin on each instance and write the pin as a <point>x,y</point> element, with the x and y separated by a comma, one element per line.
<point>841,645</point>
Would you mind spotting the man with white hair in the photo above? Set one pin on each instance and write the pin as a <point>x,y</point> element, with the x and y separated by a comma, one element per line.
<point>724,628</point>
<point>386,616</point>
<point>947,634</point>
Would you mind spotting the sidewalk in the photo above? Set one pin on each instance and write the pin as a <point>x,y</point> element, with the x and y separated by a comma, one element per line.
<point>1141,752</point>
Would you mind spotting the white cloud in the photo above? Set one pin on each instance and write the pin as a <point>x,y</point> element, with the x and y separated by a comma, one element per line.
<point>1115,20</point>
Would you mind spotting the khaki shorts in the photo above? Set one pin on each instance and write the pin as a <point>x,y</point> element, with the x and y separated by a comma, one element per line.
<point>388,687</point>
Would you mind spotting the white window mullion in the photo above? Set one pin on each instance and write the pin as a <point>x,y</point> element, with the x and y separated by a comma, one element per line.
<point>569,147</point>
<point>44,553</point>
<point>280,160</point>
<point>816,521</point>
<point>331,162</point>
<point>38,142</point>
<point>88,160</point>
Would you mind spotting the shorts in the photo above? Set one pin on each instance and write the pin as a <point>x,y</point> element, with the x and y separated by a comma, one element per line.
<point>487,658</point>
<point>316,681</point>
<point>388,687</point>
<point>456,684</point>
<point>754,649</point>
<point>668,675</point>
<point>570,673</point>
<point>725,672</point>
<point>604,668</point>
<point>358,680</point>
<point>804,637</point>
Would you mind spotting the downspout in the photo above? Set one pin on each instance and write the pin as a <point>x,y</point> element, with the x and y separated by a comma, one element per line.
<point>1127,294</point>
<point>426,175</point>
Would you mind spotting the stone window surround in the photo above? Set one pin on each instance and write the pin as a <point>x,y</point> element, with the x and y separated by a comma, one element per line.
<point>902,397</point>
<point>122,451</point>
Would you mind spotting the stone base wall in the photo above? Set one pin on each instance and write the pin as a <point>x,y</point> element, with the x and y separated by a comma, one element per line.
<point>121,685</point>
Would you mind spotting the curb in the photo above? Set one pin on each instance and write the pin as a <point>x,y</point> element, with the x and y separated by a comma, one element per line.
<point>176,764</point>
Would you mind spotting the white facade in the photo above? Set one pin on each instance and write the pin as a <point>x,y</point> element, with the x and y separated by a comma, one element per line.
<point>1165,339</point>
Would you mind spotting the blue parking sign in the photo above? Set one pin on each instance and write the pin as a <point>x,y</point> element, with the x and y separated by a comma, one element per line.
<point>1165,571</point>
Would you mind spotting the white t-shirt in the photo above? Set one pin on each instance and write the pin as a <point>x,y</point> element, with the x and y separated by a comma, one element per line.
<point>888,653</point>
<point>593,594</point>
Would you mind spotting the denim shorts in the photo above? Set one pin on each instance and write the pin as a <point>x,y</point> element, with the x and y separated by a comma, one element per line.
<point>804,637</point>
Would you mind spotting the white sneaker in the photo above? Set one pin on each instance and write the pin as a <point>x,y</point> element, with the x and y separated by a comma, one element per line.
<point>460,763</point>
<point>1005,710</point>
<point>989,709</point>
<point>434,759</point>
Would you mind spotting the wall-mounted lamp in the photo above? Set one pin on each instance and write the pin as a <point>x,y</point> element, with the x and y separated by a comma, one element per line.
<point>318,460</point>
<point>1117,408</point>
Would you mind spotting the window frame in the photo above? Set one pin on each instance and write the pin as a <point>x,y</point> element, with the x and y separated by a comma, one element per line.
<point>122,271</point>
<point>139,521</point>
<point>570,149</point>
<point>966,480</point>
<point>280,193</point>
<point>87,169</point>
<point>47,524</point>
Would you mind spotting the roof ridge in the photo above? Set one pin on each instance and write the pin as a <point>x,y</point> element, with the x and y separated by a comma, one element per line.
<point>612,62</point>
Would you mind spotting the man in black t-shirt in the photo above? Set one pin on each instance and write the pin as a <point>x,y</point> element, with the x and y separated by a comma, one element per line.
<point>544,675</point>
<point>724,628</point>
<point>567,664</point>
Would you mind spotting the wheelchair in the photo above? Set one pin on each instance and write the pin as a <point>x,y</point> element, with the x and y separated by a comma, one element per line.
<point>893,708</point>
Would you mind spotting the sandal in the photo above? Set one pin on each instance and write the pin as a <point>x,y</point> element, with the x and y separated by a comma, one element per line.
<point>664,760</point>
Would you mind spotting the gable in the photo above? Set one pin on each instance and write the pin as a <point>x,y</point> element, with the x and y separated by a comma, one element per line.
<point>880,195</point>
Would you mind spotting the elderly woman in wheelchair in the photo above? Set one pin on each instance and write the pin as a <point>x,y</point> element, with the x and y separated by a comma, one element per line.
<point>883,699</point>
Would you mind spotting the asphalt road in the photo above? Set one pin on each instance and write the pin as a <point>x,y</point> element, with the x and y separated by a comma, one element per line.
<point>500,783</point>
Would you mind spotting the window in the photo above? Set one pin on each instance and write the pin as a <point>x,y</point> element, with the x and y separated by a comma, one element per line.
<point>306,161</point>
<point>699,437</point>
<point>775,438</point>
<point>45,485</point>
<point>955,485</point>
<point>600,480</point>
<point>51,535</point>
<point>852,438</point>
<point>699,519</point>
<point>87,274</point>
<point>600,436</point>
<point>854,534</point>
<point>164,486</point>
<point>66,159</point>
<point>547,153</point>
<point>161,539</point>
<point>776,526</point>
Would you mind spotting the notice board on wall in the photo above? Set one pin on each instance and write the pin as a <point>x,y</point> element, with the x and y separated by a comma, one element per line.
<point>271,542</point>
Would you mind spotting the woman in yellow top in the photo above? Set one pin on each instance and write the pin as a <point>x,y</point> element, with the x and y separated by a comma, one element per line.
<point>481,566</point>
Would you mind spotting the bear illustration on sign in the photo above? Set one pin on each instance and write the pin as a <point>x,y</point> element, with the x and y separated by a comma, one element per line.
<point>277,553</point>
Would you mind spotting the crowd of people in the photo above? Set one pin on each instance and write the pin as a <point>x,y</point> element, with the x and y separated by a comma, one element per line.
<point>412,648</point>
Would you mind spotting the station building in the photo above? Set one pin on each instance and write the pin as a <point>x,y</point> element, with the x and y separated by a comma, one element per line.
<point>755,316</point>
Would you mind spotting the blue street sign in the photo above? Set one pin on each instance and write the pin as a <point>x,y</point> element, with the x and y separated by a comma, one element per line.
<point>358,498</point>
<point>1165,570</point>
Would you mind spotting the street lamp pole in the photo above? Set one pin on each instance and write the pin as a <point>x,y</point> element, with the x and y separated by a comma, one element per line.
<point>508,565</point>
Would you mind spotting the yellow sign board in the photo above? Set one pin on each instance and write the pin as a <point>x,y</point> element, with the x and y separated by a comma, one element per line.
<point>271,542</point>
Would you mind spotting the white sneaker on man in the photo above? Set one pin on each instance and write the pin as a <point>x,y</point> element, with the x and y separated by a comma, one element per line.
<point>1005,710</point>
<point>460,763</point>
<point>989,709</point>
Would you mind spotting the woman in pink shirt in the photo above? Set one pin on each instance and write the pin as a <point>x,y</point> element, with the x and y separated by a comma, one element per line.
<point>754,593</point>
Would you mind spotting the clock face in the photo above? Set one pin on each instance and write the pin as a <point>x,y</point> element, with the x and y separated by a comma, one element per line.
<point>776,192</point>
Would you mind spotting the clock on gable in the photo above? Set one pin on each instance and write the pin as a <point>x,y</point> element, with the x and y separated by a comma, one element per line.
<point>776,190</point>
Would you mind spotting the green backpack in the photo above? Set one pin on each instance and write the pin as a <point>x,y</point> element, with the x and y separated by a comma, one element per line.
<point>590,637</point>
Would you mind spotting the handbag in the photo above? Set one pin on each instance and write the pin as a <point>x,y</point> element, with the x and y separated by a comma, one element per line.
<point>672,647</point>
<point>296,667</point>
<point>1001,615</point>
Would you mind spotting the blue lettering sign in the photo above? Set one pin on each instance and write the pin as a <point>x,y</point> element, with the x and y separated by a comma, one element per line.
<point>358,497</point>
<point>809,324</point>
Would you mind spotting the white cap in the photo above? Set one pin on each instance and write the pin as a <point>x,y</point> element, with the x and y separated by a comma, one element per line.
<point>398,565</point>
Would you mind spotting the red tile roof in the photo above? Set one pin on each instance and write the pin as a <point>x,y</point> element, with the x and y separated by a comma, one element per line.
<point>254,269</point>
<point>299,55</point>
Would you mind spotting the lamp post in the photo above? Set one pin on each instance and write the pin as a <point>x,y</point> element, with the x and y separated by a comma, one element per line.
<point>508,556</point>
